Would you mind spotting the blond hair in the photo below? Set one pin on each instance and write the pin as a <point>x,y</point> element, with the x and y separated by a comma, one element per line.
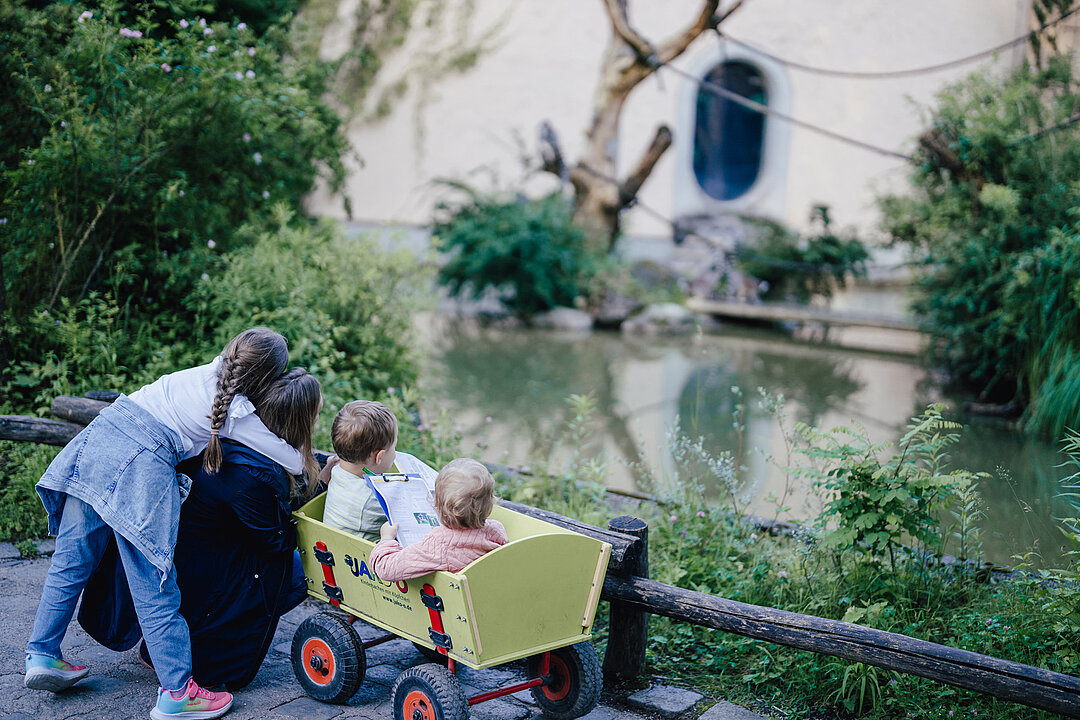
<point>464,494</point>
<point>361,429</point>
<point>289,408</point>
<point>249,363</point>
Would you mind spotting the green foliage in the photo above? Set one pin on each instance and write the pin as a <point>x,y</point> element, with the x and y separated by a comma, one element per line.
<point>344,304</point>
<point>800,268</point>
<point>528,250</point>
<point>992,230</point>
<point>21,514</point>
<point>132,152</point>
<point>873,507</point>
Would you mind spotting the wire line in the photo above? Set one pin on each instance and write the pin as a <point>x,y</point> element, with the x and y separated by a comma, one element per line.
<point>766,110</point>
<point>879,75</point>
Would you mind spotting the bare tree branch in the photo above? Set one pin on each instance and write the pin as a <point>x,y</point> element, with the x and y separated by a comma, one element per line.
<point>661,142</point>
<point>676,46</point>
<point>616,10</point>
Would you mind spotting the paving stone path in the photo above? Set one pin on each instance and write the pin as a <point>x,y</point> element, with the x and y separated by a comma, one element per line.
<point>120,688</point>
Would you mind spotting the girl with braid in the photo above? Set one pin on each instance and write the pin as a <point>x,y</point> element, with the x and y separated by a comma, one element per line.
<point>117,479</point>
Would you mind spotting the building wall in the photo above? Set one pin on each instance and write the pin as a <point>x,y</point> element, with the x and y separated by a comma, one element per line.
<point>545,62</point>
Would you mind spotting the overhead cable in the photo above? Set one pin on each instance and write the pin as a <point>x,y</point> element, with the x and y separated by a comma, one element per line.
<point>880,75</point>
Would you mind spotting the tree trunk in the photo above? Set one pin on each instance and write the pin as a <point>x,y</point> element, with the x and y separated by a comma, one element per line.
<point>599,195</point>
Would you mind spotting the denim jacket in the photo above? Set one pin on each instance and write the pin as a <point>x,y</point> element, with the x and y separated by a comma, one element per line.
<point>123,464</point>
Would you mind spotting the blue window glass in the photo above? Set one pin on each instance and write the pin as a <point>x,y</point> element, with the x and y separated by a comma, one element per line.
<point>728,138</point>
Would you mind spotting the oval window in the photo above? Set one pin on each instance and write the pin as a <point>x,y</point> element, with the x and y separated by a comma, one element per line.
<point>729,138</point>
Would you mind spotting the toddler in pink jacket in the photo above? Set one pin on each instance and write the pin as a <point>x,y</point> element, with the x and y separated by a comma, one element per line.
<point>464,496</point>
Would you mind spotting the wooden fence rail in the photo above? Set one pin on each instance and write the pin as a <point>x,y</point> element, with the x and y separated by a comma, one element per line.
<point>634,597</point>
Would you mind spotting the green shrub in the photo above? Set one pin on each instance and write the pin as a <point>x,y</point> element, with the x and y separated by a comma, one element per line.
<point>21,514</point>
<point>991,227</point>
<point>528,250</point>
<point>130,156</point>
<point>874,507</point>
<point>801,268</point>
<point>345,305</point>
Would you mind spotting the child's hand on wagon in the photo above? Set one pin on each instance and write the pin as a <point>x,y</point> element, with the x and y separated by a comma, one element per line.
<point>324,474</point>
<point>388,531</point>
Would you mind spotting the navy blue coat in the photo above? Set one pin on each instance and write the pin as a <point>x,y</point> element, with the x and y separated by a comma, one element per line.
<point>236,566</point>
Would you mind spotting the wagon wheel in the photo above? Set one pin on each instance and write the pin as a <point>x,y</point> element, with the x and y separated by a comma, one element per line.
<point>328,658</point>
<point>428,692</point>
<point>572,685</point>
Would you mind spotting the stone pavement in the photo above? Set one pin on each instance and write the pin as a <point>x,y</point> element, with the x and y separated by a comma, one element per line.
<point>120,688</point>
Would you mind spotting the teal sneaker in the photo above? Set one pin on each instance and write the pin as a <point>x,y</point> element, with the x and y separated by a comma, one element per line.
<point>194,703</point>
<point>48,673</point>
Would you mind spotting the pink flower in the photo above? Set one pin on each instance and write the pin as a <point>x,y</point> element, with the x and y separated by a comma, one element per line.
<point>674,518</point>
<point>257,157</point>
<point>184,23</point>
<point>166,67</point>
<point>205,276</point>
<point>782,574</point>
<point>250,74</point>
<point>251,51</point>
<point>701,513</point>
<point>211,49</point>
<point>208,31</point>
<point>242,26</point>
<point>391,390</point>
<point>487,419</point>
<point>211,244</point>
<point>239,75</point>
<point>181,193</point>
<point>86,15</point>
<point>48,87</point>
<point>202,22</point>
<point>130,33</point>
<point>266,194</point>
<point>247,137</point>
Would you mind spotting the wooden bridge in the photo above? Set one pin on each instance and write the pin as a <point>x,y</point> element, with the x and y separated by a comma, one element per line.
<point>633,597</point>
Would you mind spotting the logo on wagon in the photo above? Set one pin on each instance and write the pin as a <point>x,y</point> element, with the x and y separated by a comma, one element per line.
<point>359,567</point>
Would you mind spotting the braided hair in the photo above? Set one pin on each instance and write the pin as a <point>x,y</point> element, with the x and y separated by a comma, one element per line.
<point>249,364</point>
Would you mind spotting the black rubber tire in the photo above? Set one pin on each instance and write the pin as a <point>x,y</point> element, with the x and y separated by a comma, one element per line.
<point>328,631</point>
<point>575,682</point>
<point>432,690</point>
<point>430,654</point>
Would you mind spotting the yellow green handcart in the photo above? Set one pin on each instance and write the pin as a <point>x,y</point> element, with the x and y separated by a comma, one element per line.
<point>533,598</point>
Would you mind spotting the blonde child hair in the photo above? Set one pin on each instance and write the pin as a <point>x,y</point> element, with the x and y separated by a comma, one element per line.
<point>464,494</point>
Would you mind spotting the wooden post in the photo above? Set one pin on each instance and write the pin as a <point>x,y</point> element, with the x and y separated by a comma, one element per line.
<point>628,627</point>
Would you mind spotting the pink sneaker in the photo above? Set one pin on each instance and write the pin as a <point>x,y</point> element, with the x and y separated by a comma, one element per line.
<point>194,703</point>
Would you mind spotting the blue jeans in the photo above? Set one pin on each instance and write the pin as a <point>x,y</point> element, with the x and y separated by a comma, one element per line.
<point>80,544</point>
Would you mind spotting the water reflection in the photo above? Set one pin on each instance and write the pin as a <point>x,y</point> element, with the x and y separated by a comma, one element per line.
<point>521,379</point>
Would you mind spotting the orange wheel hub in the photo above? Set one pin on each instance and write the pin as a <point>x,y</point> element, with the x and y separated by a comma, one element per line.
<point>417,706</point>
<point>318,661</point>
<point>559,687</point>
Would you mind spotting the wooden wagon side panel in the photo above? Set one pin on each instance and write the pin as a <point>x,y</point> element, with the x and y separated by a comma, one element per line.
<point>534,594</point>
<point>393,606</point>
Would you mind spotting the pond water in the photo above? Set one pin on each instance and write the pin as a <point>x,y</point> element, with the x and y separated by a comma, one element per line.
<point>507,392</point>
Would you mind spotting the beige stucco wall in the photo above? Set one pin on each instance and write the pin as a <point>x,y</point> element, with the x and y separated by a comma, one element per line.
<point>545,64</point>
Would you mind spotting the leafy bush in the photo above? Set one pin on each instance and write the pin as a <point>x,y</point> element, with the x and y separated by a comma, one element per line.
<point>131,154</point>
<point>528,250</point>
<point>344,304</point>
<point>874,507</point>
<point>800,268</point>
<point>992,229</point>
